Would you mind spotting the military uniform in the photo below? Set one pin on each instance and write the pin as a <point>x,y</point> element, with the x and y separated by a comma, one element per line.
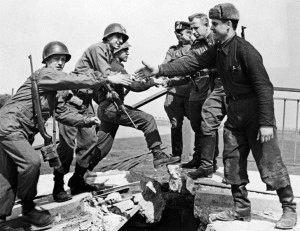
<point>20,163</point>
<point>85,136</point>
<point>100,57</point>
<point>177,99</point>
<point>198,95</point>
<point>111,118</point>
<point>250,106</point>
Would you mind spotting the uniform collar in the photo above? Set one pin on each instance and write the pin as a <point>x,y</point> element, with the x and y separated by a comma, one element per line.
<point>225,46</point>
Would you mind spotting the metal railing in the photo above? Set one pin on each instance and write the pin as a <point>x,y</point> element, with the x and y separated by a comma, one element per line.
<point>288,136</point>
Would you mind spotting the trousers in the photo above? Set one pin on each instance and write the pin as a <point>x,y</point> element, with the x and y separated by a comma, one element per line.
<point>240,137</point>
<point>19,170</point>
<point>176,108</point>
<point>111,118</point>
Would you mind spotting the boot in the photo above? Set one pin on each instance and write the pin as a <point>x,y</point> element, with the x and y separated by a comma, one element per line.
<point>196,161</point>
<point>201,172</point>
<point>5,227</point>
<point>242,206</point>
<point>77,184</point>
<point>216,153</point>
<point>289,217</point>
<point>206,168</point>
<point>39,218</point>
<point>193,163</point>
<point>215,166</point>
<point>160,158</point>
<point>59,194</point>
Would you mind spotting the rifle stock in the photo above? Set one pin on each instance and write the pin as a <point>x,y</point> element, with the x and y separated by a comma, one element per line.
<point>49,150</point>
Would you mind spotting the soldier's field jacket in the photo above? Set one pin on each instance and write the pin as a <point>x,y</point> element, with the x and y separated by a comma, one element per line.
<point>18,112</point>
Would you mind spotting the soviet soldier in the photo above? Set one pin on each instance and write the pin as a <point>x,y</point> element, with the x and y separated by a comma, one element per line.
<point>176,102</point>
<point>199,93</point>
<point>213,109</point>
<point>250,121</point>
<point>19,162</point>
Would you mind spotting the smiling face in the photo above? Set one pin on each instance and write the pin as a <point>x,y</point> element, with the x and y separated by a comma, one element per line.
<point>56,62</point>
<point>123,54</point>
<point>200,27</point>
<point>115,41</point>
<point>184,36</point>
<point>221,29</point>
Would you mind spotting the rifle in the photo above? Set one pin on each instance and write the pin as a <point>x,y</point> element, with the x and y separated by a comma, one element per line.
<point>118,102</point>
<point>49,150</point>
<point>243,32</point>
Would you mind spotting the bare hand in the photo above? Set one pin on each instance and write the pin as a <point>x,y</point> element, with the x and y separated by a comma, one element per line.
<point>161,81</point>
<point>120,79</point>
<point>265,134</point>
<point>147,71</point>
<point>95,121</point>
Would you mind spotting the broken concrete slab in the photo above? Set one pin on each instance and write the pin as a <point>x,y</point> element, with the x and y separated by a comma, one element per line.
<point>67,208</point>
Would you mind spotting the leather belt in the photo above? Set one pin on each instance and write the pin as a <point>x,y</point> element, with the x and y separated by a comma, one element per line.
<point>201,73</point>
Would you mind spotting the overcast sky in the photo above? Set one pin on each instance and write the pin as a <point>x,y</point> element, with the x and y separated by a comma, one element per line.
<point>26,26</point>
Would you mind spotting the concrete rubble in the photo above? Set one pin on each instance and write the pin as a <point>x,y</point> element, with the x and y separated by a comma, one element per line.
<point>189,202</point>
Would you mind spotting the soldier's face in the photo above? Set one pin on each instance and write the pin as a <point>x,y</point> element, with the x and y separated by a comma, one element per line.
<point>185,36</point>
<point>220,29</point>
<point>199,28</point>
<point>123,55</point>
<point>115,41</point>
<point>56,62</point>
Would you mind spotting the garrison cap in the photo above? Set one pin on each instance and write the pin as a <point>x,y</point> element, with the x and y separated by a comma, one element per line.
<point>224,11</point>
<point>196,15</point>
<point>123,46</point>
<point>181,25</point>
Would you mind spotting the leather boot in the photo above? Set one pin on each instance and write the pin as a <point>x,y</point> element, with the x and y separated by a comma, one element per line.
<point>77,184</point>
<point>39,218</point>
<point>201,172</point>
<point>216,153</point>
<point>59,194</point>
<point>289,217</point>
<point>161,158</point>
<point>206,168</point>
<point>196,161</point>
<point>242,206</point>
<point>5,227</point>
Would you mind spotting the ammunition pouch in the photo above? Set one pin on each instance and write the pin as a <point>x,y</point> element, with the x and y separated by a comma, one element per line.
<point>49,154</point>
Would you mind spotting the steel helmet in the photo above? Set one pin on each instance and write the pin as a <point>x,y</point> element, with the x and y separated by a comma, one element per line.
<point>54,48</point>
<point>115,28</point>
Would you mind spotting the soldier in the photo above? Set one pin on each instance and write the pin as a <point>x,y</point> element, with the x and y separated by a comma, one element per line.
<point>99,57</point>
<point>199,93</point>
<point>213,108</point>
<point>81,102</point>
<point>177,98</point>
<point>19,162</point>
<point>250,121</point>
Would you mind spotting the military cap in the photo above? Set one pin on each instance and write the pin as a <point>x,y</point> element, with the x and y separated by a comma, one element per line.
<point>181,25</point>
<point>196,15</point>
<point>224,11</point>
<point>123,46</point>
